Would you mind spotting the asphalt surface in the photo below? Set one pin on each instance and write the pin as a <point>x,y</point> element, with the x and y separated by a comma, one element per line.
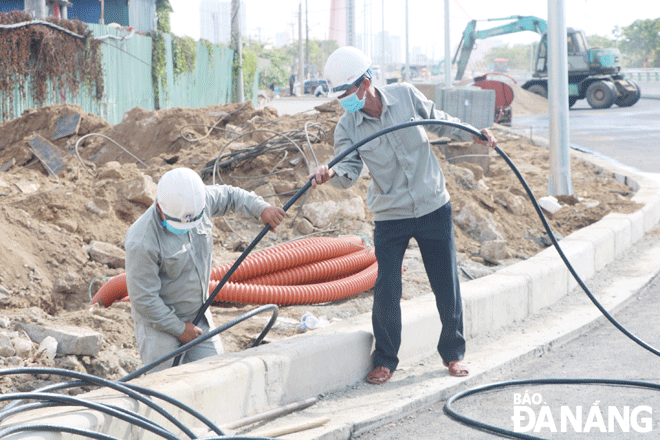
<point>598,351</point>
<point>627,135</point>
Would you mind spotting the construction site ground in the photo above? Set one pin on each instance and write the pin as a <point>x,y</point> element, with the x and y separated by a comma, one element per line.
<point>47,276</point>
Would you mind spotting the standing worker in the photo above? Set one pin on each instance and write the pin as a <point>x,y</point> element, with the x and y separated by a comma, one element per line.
<point>168,262</point>
<point>407,196</point>
<point>292,81</point>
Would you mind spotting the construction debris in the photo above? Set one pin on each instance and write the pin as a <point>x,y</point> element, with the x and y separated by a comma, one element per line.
<point>61,241</point>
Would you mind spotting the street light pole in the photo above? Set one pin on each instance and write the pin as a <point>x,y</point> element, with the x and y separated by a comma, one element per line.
<point>239,93</point>
<point>560,164</point>
<point>301,62</point>
<point>407,78</point>
<point>447,47</point>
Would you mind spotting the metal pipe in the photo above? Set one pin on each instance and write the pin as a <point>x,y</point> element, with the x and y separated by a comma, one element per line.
<point>560,166</point>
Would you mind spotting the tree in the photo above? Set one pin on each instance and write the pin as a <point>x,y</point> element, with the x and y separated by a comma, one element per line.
<point>600,41</point>
<point>641,43</point>
<point>517,55</point>
<point>284,59</point>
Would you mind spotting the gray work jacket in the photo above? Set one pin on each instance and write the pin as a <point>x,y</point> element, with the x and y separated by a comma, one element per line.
<point>167,275</point>
<point>406,179</point>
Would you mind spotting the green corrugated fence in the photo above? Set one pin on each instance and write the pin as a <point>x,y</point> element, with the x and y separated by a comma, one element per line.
<point>128,83</point>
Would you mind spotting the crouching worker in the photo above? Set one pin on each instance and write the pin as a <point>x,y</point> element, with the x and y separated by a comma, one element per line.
<point>168,262</point>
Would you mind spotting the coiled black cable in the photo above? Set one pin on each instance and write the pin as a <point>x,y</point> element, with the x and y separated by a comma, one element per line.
<point>47,399</point>
<point>504,156</point>
<point>447,408</point>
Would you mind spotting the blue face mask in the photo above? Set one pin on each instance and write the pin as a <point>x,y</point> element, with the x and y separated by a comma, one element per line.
<point>174,230</point>
<point>351,103</point>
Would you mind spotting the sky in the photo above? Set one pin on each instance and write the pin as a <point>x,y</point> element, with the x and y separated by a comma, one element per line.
<point>266,18</point>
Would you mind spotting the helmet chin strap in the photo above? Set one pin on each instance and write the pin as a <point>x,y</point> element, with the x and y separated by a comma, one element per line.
<point>160,212</point>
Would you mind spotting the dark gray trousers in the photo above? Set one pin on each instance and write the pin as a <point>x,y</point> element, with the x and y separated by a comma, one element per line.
<point>434,234</point>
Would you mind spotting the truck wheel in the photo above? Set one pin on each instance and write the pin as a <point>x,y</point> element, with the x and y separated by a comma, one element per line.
<point>600,94</point>
<point>538,89</point>
<point>628,99</point>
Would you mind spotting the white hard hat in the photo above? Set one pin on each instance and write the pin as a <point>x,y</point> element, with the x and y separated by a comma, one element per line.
<point>181,195</point>
<point>344,67</point>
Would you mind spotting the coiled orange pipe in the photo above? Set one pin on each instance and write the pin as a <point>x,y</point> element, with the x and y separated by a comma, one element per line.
<point>304,294</point>
<point>333,260</point>
<point>280,258</point>
<point>319,271</point>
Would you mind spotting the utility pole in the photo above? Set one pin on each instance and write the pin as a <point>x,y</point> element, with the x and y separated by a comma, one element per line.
<point>560,165</point>
<point>407,78</point>
<point>448,82</point>
<point>364,38</point>
<point>382,40</point>
<point>239,94</point>
<point>301,67</point>
<point>306,35</point>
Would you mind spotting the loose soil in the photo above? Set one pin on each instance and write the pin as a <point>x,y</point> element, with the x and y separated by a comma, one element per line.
<point>49,221</point>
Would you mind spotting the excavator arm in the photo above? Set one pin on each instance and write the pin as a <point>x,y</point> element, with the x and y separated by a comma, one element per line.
<point>471,35</point>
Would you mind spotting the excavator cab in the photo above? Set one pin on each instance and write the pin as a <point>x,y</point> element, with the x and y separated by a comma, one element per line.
<point>581,59</point>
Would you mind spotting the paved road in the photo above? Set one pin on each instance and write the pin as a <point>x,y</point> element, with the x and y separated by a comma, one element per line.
<point>628,135</point>
<point>602,352</point>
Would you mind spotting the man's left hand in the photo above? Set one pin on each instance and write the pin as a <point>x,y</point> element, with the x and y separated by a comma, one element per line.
<point>272,216</point>
<point>491,142</point>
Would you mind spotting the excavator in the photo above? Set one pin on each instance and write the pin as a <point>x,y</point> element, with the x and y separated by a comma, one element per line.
<point>593,73</point>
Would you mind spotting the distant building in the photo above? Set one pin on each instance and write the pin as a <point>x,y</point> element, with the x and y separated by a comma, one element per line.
<point>392,49</point>
<point>342,22</point>
<point>215,21</point>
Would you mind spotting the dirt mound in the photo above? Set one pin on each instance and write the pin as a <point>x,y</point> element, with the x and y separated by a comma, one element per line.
<point>527,103</point>
<point>108,176</point>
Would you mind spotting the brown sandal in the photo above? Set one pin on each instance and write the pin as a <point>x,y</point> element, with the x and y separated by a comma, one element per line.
<point>457,368</point>
<point>379,375</point>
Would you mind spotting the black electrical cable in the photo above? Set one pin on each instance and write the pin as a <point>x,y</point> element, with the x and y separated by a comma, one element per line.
<point>483,426</point>
<point>308,185</point>
<point>481,136</point>
<point>117,386</point>
<point>54,428</point>
<point>179,352</point>
<point>494,386</point>
<point>565,260</point>
<point>447,407</point>
<point>9,410</point>
<point>73,401</point>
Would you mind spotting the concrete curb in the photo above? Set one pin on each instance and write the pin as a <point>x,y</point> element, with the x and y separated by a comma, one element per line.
<point>235,385</point>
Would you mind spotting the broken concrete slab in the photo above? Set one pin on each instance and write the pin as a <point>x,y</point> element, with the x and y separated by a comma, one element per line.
<point>51,156</point>
<point>106,253</point>
<point>70,340</point>
<point>27,187</point>
<point>142,190</point>
<point>67,126</point>
<point>10,163</point>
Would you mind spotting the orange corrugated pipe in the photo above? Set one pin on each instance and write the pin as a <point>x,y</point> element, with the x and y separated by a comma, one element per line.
<point>318,271</point>
<point>304,294</point>
<point>280,258</point>
<point>346,261</point>
<point>112,290</point>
